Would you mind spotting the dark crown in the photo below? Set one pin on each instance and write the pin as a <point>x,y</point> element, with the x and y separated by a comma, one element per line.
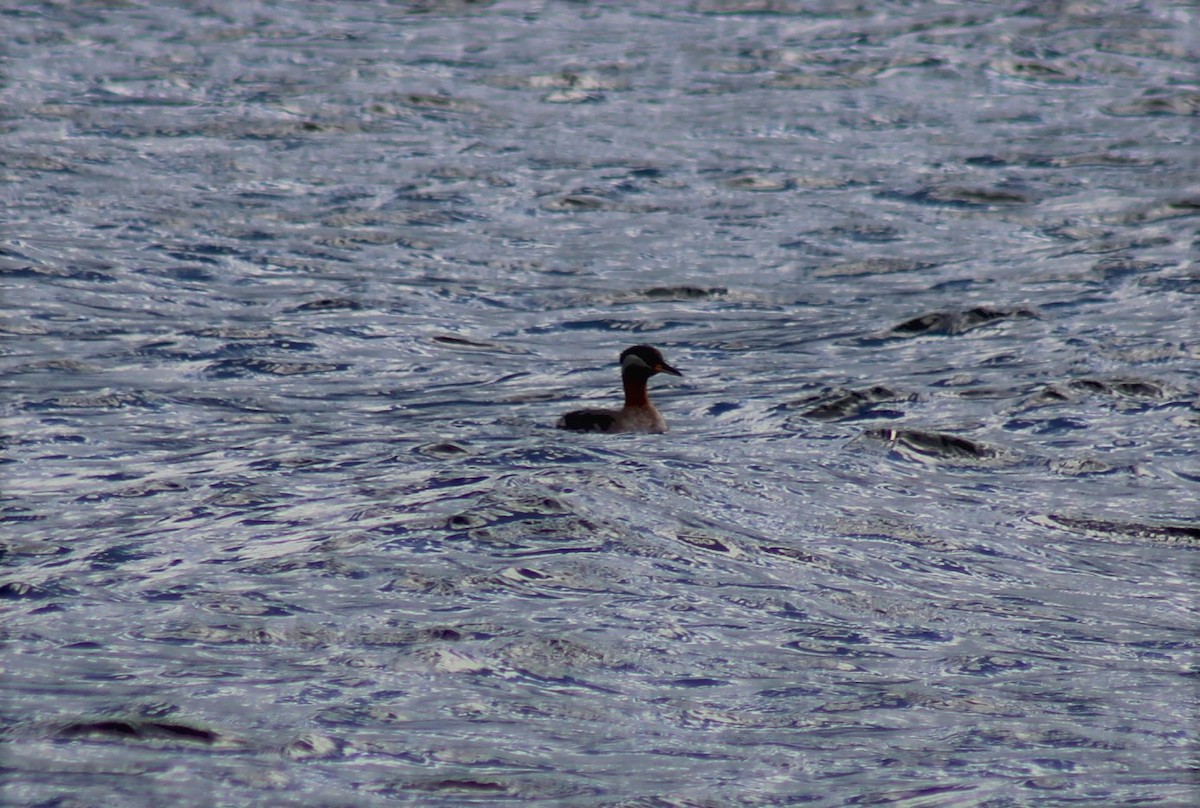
<point>646,353</point>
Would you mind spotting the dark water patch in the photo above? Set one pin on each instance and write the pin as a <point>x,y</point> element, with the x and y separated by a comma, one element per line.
<point>13,551</point>
<point>796,555</point>
<point>320,563</point>
<point>247,496</point>
<point>759,182</point>
<point>238,347</point>
<point>694,682</point>
<point>1141,392</point>
<point>1120,266</point>
<point>218,635</point>
<point>1047,426</point>
<point>249,410</point>
<point>1185,283</point>
<point>377,225</point>
<point>918,637</point>
<point>1162,210</point>
<point>41,272</point>
<point>934,794</point>
<point>248,367</point>
<point>1014,607</point>
<point>419,583</point>
<point>26,329</point>
<point>55,366</point>
<point>134,125</point>
<point>434,198</point>
<point>315,746</point>
<point>601,79</point>
<point>835,641</point>
<point>576,202</point>
<point>767,7</point>
<point>868,232</point>
<point>557,658</point>
<point>251,605</point>
<point>31,161</point>
<point>444,449</point>
<point>573,95</point>
<point>1150,42</point>
<point>34,591</point>
<point>902,533</point>
<point>201,251</point>
<point>1029,160</point>
<point>98,401</point>
<point>952,323</point>
<point>1099,240</point>
<point>140,730</point>
<point>594,200</point>
<point>473,345</point>
<point>460,788</point>
<point>723,407</point>
<point>872,266</point>
<point>147,488</point>
<point>119,555</point>
<point>1087,466</point>
<point>330,304</point>
<point>1177,534</point>
<point>989,665</point>
<point>616,324</point>
<point>257,333</point>
<point>939,445</point>
<point>819,80</point>
<point>967,196</point>
<point>1038,70</point>
<point>427,102</point>
<point>708,543</point>
<point>672,294</point>
<point>841,404</point>
<point>1121,388</point>
<point>1157,102</point>
<point>521,523</point>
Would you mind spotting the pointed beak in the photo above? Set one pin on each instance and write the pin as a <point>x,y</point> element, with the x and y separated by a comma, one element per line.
<point>665,368</point>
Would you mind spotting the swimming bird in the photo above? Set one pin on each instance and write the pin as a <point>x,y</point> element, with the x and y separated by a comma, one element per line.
<point>638,364</point>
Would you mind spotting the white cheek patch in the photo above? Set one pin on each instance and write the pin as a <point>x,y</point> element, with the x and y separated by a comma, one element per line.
<point>634,361</point>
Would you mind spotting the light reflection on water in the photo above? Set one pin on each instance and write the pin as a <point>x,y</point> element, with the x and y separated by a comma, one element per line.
<point>295,297</point>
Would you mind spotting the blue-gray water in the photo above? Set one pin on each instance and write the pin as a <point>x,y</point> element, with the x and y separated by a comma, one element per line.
<point>295,292</point>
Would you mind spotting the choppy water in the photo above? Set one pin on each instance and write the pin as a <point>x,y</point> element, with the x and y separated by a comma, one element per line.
<point>296,290</point>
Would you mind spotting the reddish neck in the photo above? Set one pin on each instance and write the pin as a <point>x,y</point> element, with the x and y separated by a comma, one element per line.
<point>635,390</point>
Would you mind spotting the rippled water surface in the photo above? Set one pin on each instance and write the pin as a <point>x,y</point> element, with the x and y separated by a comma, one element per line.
<point>295,292</point>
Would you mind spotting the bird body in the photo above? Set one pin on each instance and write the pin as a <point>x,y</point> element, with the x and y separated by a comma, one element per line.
<point>639,414</point>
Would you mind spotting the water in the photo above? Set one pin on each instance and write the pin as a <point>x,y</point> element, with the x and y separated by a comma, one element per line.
<point>296,290</point>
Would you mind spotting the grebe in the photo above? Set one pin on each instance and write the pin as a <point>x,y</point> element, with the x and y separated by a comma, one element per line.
<point>638,364</point>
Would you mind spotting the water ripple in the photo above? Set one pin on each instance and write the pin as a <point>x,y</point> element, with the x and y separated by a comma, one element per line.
<point>292,305</point>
